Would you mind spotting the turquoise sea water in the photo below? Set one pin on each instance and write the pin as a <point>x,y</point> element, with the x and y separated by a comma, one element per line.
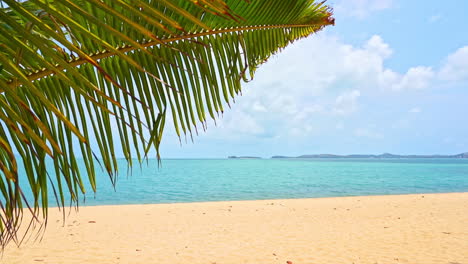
<point>233,179</point>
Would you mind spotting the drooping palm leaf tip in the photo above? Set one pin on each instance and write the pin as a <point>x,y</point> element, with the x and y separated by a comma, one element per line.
<point>92,78</point>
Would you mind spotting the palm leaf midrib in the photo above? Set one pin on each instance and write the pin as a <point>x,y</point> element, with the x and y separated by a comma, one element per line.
<point>127,48</point>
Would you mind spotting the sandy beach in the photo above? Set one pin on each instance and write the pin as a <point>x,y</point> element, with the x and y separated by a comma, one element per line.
<point>423,228</point>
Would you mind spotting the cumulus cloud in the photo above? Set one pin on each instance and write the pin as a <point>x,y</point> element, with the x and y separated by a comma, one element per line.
<point>238,124</point>
<point>320,77</point>
<point>322,80</point>
<point>378,46</point>
<point>312,66</point>
<point>317,77</point>
<point>346,103</point>
<point>455,67</point>
<point>361,8</point>
<point>416,78</point>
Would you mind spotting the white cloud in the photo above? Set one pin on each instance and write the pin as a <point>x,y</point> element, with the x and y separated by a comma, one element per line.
<point>319,77</point>
<point>363,64</point>
<point>305,113</point>
<point>346,103</point>
<point>377,45</point>
<point>238,123</point>
<point>361,8</point>
<point>416,78</point>
<point>456,66</point>
<point>318,81</point>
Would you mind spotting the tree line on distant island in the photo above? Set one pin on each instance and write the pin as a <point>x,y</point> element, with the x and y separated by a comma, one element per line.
<point>362,156</point>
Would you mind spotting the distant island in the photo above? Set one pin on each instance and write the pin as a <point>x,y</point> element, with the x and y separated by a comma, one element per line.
<point>243,157</point>
<point>381,156</point>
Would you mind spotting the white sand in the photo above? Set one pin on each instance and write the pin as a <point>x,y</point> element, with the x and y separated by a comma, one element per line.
<point>420,229</point>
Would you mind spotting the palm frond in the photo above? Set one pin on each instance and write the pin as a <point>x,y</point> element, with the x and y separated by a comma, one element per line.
<point>72,71</point>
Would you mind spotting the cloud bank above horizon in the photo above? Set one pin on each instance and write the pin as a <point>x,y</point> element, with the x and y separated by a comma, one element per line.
<point>331,93</point>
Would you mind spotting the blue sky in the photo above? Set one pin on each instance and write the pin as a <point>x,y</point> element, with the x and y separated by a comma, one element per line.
<point>391,76</point>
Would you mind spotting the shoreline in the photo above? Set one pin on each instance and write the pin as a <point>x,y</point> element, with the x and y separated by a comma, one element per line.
<point>414,228</point>
<point>82,205</point>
